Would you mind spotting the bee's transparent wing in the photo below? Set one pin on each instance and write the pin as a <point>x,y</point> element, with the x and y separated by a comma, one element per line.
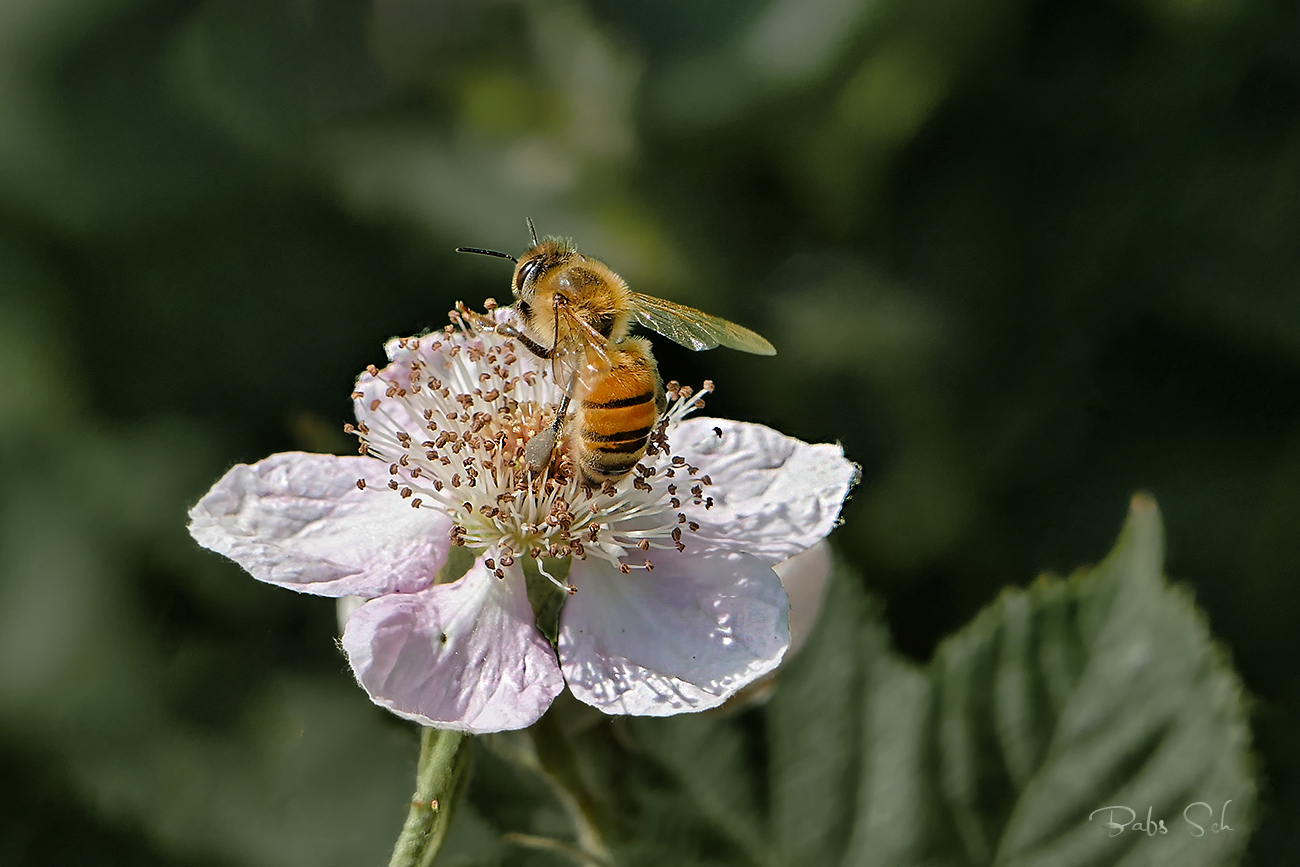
<point>579,353</point>
<point>695,329</point>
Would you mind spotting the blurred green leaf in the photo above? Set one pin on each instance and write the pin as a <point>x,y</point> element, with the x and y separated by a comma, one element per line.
<point>1073,696</point>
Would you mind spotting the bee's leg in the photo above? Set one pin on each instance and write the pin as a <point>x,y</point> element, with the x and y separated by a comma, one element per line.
<point>537,451</point>
<point>531,345</point>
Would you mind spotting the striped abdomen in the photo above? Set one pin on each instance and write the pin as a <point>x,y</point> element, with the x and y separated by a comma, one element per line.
<point>616,414</point>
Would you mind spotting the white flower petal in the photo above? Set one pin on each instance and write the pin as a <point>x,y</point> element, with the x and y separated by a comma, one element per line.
<point>299,520</point>
<point>463,656</point>
<point>773,496</point>
<point>681,638</point>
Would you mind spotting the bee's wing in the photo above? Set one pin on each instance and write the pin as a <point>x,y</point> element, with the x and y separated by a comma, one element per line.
<point>579,352</point>
<point>695,329</point>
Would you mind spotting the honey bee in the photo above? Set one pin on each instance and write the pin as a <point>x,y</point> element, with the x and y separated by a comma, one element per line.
<point>576,313</point>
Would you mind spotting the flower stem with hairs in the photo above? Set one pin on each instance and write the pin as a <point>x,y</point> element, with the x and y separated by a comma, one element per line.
<point>439,783</point>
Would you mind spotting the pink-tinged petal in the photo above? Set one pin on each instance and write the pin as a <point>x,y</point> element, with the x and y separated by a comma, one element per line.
<point>805,578</point>
<point>464,656</point>
<point>681,638</point>
<point>300,521</point>
<point>773,496</point>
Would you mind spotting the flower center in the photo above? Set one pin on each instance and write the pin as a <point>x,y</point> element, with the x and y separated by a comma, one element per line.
<point>451,416</point>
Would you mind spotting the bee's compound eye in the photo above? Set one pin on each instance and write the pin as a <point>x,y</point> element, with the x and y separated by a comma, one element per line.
<point>527,271</point>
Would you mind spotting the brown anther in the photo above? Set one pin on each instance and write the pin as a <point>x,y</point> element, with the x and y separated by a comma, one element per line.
<point>468,507</point>
<point>392,484</point>
<point>672,489</point>
<point>644,544</point>
<point>500,574</point>
<point>708,503</point>
<point>489,304</point>
<point>364,448</point>
<point>697,490</point>
<point>490,563</point>
<point>681,519</point>
<point>573,591</point>
<point>718,431</point>
<point>694,527</point>
<point>507,560</point>
<point>455,480</point>
<point>437,485</point>
<point>374,404</point>
<point>406,492</point>
<point>361,426</point>
<point>428,415</point>
<point>361,484</point>
<point>680,547</point>
<point>349,429</point>
<point>706,480</point>
<point>372,370</point>
<point>358,395</point>
<point>404,460</point>
<point>649,567</point>
<point>392,469</point>
<point>415,504</point>
<point>624,568</point>
<point>679,461</point>
<point>677,534</point>
<point>674,503</point>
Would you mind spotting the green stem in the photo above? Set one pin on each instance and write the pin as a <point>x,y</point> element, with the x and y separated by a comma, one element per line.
<point>439,782</point>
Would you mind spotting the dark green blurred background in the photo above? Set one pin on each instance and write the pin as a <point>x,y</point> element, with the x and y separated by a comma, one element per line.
<point>1021,259</point>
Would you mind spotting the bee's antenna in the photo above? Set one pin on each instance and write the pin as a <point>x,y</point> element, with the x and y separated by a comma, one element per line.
<point>487,253</point>
<point>532,230</point>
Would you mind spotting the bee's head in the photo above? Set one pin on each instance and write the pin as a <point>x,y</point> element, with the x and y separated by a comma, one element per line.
<point>533,277</point>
